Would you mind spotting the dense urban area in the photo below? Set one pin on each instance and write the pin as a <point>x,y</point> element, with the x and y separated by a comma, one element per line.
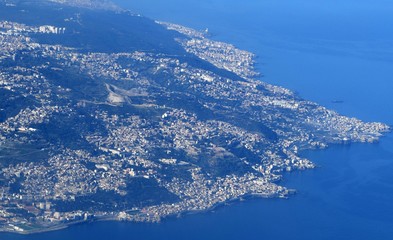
<point>140,135</point>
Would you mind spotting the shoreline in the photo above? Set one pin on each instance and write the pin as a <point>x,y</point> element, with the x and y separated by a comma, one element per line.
<point>188,212</point>
<point>171,216</point>
<point>59,226</point>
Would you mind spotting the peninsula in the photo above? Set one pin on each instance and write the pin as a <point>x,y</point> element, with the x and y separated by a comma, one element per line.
<point>108,115</point>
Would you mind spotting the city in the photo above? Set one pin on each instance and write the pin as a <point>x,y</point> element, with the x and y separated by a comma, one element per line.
<point>140,136</point>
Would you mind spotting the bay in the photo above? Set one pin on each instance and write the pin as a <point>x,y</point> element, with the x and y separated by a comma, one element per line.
<point>328,52</point>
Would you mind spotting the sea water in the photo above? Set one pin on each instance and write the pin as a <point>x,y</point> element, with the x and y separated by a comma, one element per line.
<point>337,53</point>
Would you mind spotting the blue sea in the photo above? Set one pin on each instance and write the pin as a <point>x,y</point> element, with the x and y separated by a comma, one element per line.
<point>327,51</point>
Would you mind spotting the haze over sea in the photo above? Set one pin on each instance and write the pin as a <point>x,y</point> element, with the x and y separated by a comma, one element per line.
<point>327,51</point>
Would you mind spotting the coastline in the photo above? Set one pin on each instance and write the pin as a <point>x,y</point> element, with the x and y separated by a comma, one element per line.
<point>189,212</point>
<point>175,215</point>
<point>114,218</point>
